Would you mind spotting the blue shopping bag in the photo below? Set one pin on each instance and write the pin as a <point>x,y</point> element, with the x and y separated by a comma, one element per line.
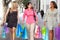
<point>6,28</point>
<point>47,35</point>
<point>3,33</point>
<point>18,31</point>
<point>24,33</point>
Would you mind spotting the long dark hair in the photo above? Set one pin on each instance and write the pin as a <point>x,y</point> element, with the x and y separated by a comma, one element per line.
<point>54,3</point>
<point>42,13</point>
<point>26,6</point>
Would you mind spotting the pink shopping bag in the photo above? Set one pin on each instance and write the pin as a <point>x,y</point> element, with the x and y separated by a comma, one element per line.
<point>37,32</point>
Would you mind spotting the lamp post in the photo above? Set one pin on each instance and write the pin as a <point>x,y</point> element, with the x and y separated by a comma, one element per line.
<point>39,5</point>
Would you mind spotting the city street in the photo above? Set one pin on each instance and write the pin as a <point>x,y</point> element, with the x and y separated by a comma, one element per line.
<point>38,5</point>
<point>8,38</point>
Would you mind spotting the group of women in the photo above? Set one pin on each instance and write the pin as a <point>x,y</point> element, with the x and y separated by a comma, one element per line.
<point>51,19</point>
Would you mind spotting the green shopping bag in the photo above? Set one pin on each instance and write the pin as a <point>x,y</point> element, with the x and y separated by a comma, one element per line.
<point>43,30</point>
<point>45,33</point>
<point>23,27</point>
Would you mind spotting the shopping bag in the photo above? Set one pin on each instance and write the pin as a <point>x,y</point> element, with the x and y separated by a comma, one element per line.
<point>1,29</point>
<point>57,32</point>
<point>24,33</point>
<point>18,31</point>
<point>43,30</point>
<point>3,33</point>
<point>6,28</point>
<point>45,33</point>
<point>37,32</point>
<point>23,27</point>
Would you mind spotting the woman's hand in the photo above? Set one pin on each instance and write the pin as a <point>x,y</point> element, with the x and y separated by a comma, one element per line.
<point>3,23</point>
<point>59,24</point>
<point>18,21</point>
<point>22,21</point>
<point>37,22</point>
<point>44,23</point>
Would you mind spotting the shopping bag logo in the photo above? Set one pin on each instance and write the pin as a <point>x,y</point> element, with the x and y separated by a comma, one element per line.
<point>25,34</point>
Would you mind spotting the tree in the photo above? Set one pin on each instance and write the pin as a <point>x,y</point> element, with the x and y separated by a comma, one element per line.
<point>25,2</point>
<point>6,2</point>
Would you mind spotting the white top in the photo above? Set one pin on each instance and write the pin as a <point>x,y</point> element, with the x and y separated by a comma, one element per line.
<point>52,17</point>
<point>40,20</point>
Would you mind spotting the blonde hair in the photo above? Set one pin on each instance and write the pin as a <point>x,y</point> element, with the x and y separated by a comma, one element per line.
<point>14,5</point>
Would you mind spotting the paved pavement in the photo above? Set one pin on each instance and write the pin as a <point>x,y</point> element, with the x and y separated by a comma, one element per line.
<point>8,38</point>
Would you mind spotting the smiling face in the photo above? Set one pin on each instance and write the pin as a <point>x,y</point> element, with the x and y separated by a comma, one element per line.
<point>51,5</point>
<point>14,5</point>
<point>30,5</point>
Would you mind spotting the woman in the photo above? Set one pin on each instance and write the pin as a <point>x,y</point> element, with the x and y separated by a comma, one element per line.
<point>30,21</point>
<point>11,17</point>
<point>40,18</point>
<point>51,18</point>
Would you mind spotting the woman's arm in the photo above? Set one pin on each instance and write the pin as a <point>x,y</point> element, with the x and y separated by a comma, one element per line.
<point>18,17</point>
<point>36,16</point>
<point>24,15</point>
<point>45,17</point>
<point>58,20</point>
<point>5,15</point>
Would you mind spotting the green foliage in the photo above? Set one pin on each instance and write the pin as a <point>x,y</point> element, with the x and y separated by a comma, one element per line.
<point>25,2</point>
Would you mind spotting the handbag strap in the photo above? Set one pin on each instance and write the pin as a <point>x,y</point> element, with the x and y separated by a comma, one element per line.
<point>34,15</point>
<point>33,12</point>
